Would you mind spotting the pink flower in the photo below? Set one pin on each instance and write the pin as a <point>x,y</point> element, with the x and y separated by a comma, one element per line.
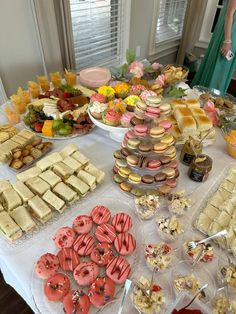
<point>136,68</point>
<point>160,80</point>
<point>98,97</point>
<point>146,93</point>
<point>157,66</point>
<point>209,106</point>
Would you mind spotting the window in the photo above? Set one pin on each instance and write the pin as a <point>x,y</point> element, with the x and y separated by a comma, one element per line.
<point>170,20</point>
<point>98,32</point>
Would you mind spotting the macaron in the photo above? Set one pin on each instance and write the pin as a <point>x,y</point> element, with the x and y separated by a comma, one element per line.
<point>160,148</point>
<point>165,108</point>
<point>115,169</point>
<point>166,124</point>
<point>157,132</point>
<point>124,172</point>
<point>176,173</point>
<point>171,151</point>
<point>145,147</point>
<point>140,130</point>
<point>142,162</point>
<point>164,189</point>
<point>141,105</point>
<point>117,154</point>
<point>128,135</point>
<point>170,172</point>
<point>134,178</point>
<point>125,186</point>
<point>117,178</point>
<point>133,143</point>
<point>120,163</point>
<point>134,121</point>
<point>154,164</point>
<point>159,177</point>
<point>148,179</point>
<point>165,160</point>
<point>132,160</point>
<point>125,152</point>
<point>173,164</point>
<point>152,112</point>
<point>140,114</point>
<point>169,140</point>
<point>137,192</point>
<point>153,101</point>
<point>171,183</point>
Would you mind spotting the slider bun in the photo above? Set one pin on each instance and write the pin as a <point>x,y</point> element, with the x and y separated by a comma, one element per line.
<point>203,122</point>
<point>192,103</point>
<point>177,103</point>
<point>187,125</point>
<point>197,111</point>
<point>180,113</point>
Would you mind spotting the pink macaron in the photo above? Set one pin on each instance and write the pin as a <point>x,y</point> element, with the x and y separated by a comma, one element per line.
<point>166,124</point>
<point>154,164</point>
<point>171,183</point>
<point>173,164</point>
<point>115,170</point>
<point>128,135</point>
<point>152,112</point>
<point>140,130</point>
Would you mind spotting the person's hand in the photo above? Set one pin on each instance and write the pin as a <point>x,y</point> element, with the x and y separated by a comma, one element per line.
<point>225,49</point>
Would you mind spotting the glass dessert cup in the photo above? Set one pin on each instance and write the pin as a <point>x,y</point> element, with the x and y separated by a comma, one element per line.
<point>226,273</point>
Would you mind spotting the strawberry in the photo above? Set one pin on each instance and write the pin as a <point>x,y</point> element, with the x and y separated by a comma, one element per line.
<point>38,127</point>
<point>156,288</point>
<point>66,95</point>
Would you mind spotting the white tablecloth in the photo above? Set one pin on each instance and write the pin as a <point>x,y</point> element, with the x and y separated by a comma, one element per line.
<point>17,265</point>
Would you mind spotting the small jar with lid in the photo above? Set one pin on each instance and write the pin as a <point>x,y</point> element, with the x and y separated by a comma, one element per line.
<point>190,149</point>
<point>200,168</point>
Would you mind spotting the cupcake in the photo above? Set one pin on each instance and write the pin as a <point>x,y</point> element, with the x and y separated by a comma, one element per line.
<point>118,105</point>
<point>137,89</point>
<point>121,90</point>
<point>107,91</point>
<point>131,102</point>
<point>125,119</point>
<point>146,93</point>
<point>98,97</point>
<point>111,117</point>
<point>96,109</point>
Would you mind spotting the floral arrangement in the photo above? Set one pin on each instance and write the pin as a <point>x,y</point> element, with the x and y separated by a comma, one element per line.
<point>117,104</point>
<point>135,68</point>
<point>106,91</point>
<point>121,89</point>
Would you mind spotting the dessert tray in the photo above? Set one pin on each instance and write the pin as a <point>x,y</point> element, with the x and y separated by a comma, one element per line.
<point>41,302</point>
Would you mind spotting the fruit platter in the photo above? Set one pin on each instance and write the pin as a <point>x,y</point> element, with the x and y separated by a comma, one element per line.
<point>59,113</point>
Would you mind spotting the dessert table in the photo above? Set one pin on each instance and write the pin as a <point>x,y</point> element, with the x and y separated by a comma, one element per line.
<point>17,263</point>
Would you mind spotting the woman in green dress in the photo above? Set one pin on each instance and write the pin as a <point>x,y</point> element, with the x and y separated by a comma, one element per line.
<point>215,70</point>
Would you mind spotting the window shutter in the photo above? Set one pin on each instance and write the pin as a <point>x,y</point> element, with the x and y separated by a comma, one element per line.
<point>97,32</point>
<point>170,20</point>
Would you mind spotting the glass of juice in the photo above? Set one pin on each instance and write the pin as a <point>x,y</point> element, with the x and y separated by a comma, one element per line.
<point>24,94</point>
<point>34,89</point>
<point>55,78</point>
<point>12,114</point>
<point>18,103</point>
<point>44,83</point>
<point>70,77</point>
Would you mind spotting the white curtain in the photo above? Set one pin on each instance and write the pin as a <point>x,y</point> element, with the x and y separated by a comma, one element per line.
<point>46,26</point>
<point>194,16</point>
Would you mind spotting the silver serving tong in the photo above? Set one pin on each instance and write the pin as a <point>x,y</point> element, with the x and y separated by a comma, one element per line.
<point>196,295</point>
<point>193,244</point>
<point>125,292</point>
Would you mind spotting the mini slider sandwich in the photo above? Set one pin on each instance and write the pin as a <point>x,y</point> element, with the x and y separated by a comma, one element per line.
<point>8,227</point>
<point>39,209</point>
<point>10,199</point>
<point>23,219</point>
<point>68,150</point>
<point>87,178</point>
<point>54,202</point>
<point>48,161</point>
<point>4,185</point>
<point>72,163</point>
<point>37,185</point>
<point>98,174</point>
<point>80,157</point>
<point>65,192</point>
<point>62,170</point>
<point>28,174</point>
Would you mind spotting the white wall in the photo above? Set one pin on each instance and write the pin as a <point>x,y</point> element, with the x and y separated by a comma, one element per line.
<point>20,58</point>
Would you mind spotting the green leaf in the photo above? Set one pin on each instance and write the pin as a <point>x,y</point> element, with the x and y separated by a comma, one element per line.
<point>149,70</point>
<point>176,92</point>
<point>124,69</point>
<point>130,56</point>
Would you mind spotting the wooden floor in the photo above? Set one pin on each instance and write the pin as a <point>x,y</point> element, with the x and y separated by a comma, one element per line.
<point>10,301</point>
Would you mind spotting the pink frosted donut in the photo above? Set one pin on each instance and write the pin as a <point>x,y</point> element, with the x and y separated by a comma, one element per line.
<point>68,259</point>
<point>56,287</point>
<point>118,269</point>
<point>122,222</point>
<point>105,233</point>
<point>47,265</point>
<point>101,291</point>
<point>102,254</point>
<point>82,224</point>
<point>85,273</point>
<point>125,243</point>
<point>84,244</point>
<point>76,302</point>
<point>100,214</point>
<point>64,237</point>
